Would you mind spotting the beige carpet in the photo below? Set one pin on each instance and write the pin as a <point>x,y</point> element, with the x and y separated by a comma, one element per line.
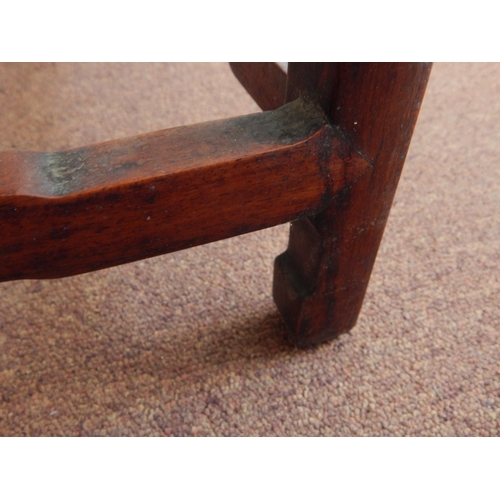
<point>191,344</point>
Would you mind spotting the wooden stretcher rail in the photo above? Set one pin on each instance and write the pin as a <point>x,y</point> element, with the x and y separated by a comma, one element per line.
<point>77,211</point>
<point>264,81</point>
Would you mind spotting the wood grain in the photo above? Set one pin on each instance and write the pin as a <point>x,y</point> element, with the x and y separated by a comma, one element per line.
<point>264,81</point>
<point>321,280</point>
<point>76,211</point>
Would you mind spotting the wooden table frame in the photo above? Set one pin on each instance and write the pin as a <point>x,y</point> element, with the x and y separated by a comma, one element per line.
<point>326,154</point>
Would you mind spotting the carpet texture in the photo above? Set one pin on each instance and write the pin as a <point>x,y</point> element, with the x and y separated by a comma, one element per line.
<point>190,344</point>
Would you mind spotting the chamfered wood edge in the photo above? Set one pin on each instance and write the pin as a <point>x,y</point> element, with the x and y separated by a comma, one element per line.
<point>77,211</point>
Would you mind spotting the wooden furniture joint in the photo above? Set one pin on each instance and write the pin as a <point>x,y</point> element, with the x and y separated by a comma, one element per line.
<point>327,155</point>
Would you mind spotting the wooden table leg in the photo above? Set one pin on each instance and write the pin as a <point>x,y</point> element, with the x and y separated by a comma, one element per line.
<point>321,279</point>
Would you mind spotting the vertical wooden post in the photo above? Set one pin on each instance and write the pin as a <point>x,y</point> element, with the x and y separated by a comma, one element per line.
<point>321,279</point>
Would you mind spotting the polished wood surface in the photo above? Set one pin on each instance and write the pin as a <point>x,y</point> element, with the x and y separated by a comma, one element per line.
<point>321,280</point>
<point>76,211</point>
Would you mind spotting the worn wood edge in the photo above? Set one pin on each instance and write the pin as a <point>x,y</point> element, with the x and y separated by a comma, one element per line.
<point>165,152</point>
<point>285,168</point>
<point>264,81</point>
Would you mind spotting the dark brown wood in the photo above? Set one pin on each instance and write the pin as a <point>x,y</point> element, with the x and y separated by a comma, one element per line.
<point>314,82</point>
<point>321,280</point>
<point>330,160</point>
<point>265,82</point>
<point>76,211</point>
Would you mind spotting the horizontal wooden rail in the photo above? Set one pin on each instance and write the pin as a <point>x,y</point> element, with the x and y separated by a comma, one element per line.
<point>76,211</point>
<point>264,81</point>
